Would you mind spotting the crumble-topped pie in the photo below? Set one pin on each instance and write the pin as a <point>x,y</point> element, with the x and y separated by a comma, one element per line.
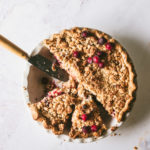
<point>99,63</point>
<point>100,72</point>
<point>86,120</point>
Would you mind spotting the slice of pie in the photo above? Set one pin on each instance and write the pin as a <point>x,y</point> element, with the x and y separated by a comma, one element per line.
<point>54,110</point>
<point>86,120</point>
<point>99,63</point>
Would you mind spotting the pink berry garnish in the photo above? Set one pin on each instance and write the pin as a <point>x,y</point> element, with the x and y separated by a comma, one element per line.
<point>89,60</point>
<point>84,117</point>
<point>76,54</point>
<point>96,59</point>
<point>84,34</point>
<point>108,46</point>
<point>101,64</point>
<point>93,128</point>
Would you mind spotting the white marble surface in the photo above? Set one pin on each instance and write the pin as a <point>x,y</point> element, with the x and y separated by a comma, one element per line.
<point>27,22</point>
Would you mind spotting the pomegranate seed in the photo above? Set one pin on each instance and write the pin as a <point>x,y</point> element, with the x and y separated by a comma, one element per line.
<point>76,54</point>
<point>101,64</point>
<point>96,59</point>
<point>84,34</point>
<point>93,128</point>
<point>85,129</point>
<point>108,46</point>
<point>89,60</point>
<point>84,117</point>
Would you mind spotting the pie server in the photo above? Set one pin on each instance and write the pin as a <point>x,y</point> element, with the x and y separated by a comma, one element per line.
<point>38,61</point>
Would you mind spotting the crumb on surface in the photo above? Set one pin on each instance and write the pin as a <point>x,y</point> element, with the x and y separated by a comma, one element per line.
<point>135,148</point>
<point>114,128</point>
<point>24,88</point>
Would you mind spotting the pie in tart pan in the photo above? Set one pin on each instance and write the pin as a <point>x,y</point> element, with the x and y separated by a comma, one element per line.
<point>100,91</point>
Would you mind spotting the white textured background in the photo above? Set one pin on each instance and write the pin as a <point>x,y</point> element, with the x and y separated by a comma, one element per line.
<point>27,22</point>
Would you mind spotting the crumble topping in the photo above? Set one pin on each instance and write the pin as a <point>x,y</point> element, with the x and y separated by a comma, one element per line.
<point>70,107</point>
<point>86,120</point>
<point>53,111</point>
<point>98,62</point>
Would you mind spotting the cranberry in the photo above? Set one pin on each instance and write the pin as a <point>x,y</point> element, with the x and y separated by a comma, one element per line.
<point>55,92</point>
<point>101,64</point>
<point>102,40</point>
<point>89,60</point>
<point>96,59</point>
<point>84,34</point>
<point>85,129</point>
<point>84,117</point>
<point>76,54</point>
<point>93,128</point>
<point>108,46</point>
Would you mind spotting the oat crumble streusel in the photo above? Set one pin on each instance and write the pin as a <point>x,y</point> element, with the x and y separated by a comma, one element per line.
<point>98,62</point>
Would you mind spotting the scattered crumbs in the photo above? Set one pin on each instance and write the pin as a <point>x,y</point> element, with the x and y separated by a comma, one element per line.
<point>24,88</point>
<point>115,134</point>
<point>135,148</point>
<point>114,128</point>
<point>94,138</point>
